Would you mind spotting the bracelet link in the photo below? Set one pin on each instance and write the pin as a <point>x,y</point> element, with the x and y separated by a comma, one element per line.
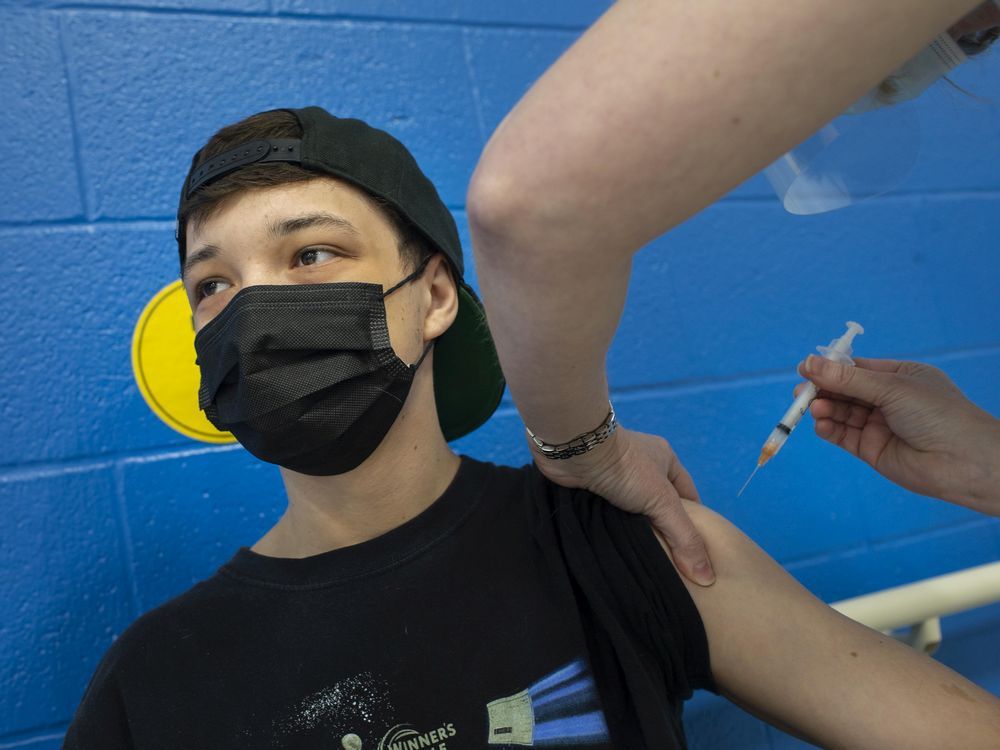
<point>581,443</point>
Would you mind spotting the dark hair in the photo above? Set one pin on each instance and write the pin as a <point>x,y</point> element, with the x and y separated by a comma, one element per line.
<point>413,248</point>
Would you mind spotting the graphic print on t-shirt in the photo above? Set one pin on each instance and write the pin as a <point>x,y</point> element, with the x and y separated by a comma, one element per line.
<point>349,709</point>
<point>562,708</point>
<point>357,713</point>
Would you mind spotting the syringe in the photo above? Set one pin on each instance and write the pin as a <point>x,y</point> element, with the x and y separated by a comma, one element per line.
<point>839,350</point>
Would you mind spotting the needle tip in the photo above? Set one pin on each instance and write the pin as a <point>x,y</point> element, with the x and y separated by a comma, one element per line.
<point>738,494</point>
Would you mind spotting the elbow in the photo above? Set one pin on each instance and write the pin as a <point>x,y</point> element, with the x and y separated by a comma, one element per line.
<point>491,205</point>
<point>504,211</point>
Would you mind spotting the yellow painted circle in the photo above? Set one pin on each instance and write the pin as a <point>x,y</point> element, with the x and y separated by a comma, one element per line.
<point>163,363</point>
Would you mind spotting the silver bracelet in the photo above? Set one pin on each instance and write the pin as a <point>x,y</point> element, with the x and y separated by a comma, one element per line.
<point>581,443</point>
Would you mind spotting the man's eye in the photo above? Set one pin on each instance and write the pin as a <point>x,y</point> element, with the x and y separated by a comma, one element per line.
<point>209,288</point>
<point>314,255</point>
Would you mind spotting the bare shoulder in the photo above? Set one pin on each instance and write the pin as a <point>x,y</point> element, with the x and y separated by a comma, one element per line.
<point>789,658</point>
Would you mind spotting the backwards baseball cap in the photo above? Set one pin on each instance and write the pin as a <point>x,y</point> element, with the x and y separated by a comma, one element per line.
<point>468,382</point>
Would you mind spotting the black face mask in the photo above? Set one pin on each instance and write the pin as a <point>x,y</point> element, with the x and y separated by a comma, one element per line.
<point>304,375</point>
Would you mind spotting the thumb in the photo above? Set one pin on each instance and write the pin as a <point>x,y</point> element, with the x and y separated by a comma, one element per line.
<point>848,380</point>
<point>687,548</point>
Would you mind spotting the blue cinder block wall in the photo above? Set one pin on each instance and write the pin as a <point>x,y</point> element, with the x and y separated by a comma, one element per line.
<point>108,513</point>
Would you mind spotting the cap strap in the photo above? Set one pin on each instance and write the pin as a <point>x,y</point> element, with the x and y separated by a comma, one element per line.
<point>264,150</point>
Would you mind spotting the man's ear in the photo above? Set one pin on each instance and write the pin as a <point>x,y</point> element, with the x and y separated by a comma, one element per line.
<point>443,305</point>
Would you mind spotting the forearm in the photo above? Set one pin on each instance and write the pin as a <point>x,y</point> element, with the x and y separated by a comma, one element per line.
<point>655,112</point>
<point>552,327</point>
<point>984,495</point>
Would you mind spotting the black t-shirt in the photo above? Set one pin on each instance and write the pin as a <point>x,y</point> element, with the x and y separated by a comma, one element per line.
<point>511,612</point>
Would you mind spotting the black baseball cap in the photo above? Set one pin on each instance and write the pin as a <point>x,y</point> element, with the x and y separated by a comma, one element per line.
<point>468,382</point>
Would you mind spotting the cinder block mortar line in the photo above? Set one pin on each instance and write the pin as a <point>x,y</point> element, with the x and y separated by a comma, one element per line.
<point>146,221</point>
<point>953,355</point>
<point>727,382</point>
<point>441,22</point>
<point>901,196</point>
<point>27,738</point>
<point>125,533</point>
<point>889,198</point>
<point>126,222</point>
<point>474,86</point>
<point>25,471</point>
<point>930,534</point>
<point>796,563</point>
<point>270,14</point>
<point>87,200</point>
<point>28,471</point>
<point>837,553</point>
<point>684,386</point>
<point>148,10</point>
<point>76,225</point>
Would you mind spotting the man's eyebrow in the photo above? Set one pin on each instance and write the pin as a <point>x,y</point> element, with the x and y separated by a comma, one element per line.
<point>203,253</point>
<point>318,219</point>
<point>277,230</point>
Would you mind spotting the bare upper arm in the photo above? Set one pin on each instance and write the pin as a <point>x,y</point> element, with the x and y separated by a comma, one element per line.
<point>787,657</point>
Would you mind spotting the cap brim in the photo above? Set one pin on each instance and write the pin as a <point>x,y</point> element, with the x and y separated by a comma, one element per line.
<point>468,382</point>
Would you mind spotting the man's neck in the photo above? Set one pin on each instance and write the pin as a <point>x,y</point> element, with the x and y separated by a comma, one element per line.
<point>411,468</point>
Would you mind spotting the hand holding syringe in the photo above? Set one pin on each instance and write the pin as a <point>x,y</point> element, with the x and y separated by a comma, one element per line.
<point>839,350</point>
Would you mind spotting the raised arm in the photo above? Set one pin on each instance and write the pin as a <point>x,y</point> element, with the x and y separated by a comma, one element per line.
<point>655,112</point>
<point>788,658</point>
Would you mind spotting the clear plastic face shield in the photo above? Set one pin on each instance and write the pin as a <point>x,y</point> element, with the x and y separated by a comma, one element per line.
<point>872,147</point>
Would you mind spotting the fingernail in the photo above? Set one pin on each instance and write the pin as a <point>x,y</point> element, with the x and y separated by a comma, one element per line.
<point>703,573</point>
<point>815,364</point>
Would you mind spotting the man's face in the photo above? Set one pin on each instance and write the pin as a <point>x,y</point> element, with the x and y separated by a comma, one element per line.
<point>314,232</point>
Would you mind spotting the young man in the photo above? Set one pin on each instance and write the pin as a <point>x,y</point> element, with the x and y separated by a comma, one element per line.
<point>411,598</point>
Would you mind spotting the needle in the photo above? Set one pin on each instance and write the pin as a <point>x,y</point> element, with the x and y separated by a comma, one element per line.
<point>748,480</point>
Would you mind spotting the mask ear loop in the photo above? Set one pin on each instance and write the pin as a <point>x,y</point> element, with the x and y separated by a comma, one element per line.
<point>416,274</point>
<point>430,345</point>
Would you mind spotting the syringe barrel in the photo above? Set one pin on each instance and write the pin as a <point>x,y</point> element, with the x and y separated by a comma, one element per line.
<point>799,406</point>
<point>839,350</point>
